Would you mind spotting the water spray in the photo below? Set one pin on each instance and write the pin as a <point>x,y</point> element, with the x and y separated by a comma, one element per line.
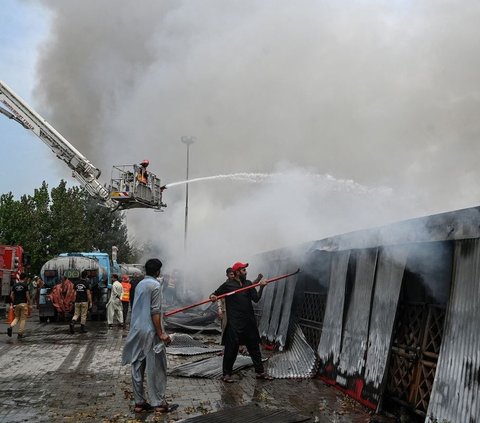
<point>246,177</point>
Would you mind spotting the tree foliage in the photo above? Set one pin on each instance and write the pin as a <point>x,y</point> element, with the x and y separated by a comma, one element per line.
<point>64,220</point>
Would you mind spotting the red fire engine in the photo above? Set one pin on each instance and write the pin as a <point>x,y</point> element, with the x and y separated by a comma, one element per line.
<point>12,260</point>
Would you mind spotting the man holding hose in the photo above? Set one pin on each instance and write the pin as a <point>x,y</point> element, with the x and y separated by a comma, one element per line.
<point>241,328</point>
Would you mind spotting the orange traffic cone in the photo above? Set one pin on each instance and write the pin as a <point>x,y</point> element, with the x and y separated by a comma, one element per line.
<point>10,315</point>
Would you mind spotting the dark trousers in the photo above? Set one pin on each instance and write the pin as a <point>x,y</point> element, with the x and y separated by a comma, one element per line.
<point>232,343</point>
<point>125,305</point>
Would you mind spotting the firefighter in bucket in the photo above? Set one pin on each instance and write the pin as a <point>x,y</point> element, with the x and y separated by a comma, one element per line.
<point>142,174</point>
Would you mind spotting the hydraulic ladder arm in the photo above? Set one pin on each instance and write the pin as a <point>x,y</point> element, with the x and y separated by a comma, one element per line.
<point>12,106</point>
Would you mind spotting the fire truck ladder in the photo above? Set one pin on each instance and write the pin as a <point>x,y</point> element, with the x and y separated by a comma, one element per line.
<point>17,109</point>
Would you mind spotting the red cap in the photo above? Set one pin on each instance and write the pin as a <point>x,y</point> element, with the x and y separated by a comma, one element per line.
<point>125,278</point>
<point>239,265</point>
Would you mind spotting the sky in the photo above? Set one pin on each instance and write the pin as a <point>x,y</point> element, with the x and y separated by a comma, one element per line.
<point>360,113</point>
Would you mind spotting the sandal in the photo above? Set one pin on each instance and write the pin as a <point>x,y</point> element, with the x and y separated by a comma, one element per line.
<point>140,408</point>
<point>166,408</point>
<point>228,379</point>
<point>264,376</point>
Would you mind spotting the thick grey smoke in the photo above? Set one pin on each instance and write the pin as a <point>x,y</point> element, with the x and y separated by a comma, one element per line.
<point>383,93</point>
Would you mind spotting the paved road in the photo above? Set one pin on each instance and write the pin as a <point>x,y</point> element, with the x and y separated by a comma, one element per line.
<point>51,375</point>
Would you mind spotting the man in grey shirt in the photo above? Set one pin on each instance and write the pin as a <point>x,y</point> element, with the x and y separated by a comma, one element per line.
<point>143,348</point>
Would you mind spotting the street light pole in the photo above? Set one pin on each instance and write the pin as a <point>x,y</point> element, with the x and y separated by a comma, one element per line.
<point>188,141</point>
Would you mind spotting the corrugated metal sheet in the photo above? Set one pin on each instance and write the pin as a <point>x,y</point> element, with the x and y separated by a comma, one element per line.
<point>355,335</point>
<point>183,344</point>
<point>330,341</point>
<point>209,367</point>
<point>251,413</point>
<point>390,268</point>
<point>299,361</point>
<point>456,390</point>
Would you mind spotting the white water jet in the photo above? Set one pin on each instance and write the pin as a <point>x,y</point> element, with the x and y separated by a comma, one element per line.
<point>248,177</point>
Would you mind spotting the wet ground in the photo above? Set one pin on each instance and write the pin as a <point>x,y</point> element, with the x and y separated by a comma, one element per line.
<point>53,376</point>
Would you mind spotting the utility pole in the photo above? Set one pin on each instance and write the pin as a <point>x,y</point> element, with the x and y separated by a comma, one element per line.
<point>188,141</point>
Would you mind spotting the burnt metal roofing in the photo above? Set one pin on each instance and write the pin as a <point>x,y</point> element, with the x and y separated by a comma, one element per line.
<point>364,288</point>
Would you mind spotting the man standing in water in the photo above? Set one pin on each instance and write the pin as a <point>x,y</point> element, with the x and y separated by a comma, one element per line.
<point>146,341</point>
<point>241,327</point>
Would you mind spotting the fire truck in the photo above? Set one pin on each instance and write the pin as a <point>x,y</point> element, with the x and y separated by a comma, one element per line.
<point>12,262</point>
<point>127,189</point>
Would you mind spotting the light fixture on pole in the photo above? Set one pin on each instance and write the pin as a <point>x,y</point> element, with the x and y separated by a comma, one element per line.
<point>188,141</point>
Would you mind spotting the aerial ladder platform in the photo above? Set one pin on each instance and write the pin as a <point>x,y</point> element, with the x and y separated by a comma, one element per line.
<point>125,191</point>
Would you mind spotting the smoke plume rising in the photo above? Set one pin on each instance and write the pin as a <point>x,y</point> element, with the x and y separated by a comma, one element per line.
<point>383,95</point>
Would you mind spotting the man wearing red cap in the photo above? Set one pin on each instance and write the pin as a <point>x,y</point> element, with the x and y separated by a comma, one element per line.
<point>241,328</point>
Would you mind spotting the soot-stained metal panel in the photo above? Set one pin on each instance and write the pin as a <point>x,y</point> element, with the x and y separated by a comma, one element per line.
<point>355,335</point>
<point>267,301</point>
<point>388,282</point>
<point>284,325</point>
<point>277,306</point>
<point>330,341</point>
<point>455,394</point>
<point>299,361</point>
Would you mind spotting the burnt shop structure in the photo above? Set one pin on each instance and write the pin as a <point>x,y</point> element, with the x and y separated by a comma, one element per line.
<point>391,315</point>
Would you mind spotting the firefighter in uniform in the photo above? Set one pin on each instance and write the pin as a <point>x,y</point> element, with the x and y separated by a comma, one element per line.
<point>142,174</point>
<point>125,297</point>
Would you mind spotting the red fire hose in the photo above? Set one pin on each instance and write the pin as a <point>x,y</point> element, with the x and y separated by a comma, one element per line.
<point>179,310</point>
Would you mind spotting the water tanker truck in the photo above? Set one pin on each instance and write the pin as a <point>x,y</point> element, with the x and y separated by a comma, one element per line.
<point>70,266</point>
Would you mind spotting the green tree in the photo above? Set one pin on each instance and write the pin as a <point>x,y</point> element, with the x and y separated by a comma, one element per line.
<point>107,229</point>
<point>66,220</point>
<point>68,232</point>
<point>39,242</point>
<point>9,209</point>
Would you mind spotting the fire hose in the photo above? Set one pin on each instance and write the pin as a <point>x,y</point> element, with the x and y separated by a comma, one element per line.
<point>179,310</point>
